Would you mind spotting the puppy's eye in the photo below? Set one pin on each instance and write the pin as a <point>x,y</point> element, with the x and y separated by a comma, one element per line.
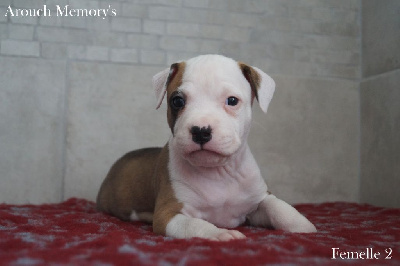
<point>232,101</point>
<point>177,102</point>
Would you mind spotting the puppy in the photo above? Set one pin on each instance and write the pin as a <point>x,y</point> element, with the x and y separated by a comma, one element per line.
<point>204,181</point>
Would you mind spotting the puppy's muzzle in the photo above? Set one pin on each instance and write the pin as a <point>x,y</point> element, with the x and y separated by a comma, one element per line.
<point>201,135</point>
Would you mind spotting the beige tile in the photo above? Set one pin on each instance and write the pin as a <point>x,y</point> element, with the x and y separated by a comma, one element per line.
<point>307,143</point>
<point>31,136</point>
<point>111,112</point>
<point>380,36</point>
<point>380,140</point>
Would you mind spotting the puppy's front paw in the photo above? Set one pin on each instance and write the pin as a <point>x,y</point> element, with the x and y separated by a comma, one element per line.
<point>226,235</point>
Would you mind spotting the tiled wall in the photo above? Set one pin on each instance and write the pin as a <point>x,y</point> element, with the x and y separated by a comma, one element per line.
<point>306,38</point>
<point>380,103</point>
<point>76,91</point>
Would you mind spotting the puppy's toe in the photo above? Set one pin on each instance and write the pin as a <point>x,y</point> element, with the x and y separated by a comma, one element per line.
<point>306,228</point>
<point>227,235</point>
<point>303,225</point>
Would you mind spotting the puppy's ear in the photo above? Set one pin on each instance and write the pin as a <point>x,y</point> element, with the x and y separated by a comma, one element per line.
<point>162,79</point>
<point>159,85</point>
<point>262,85</point>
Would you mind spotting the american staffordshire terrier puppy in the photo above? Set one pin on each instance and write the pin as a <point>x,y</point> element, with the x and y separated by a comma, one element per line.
<point>204,181</point>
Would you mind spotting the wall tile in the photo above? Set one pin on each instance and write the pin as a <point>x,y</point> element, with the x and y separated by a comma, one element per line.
<point>153,26</point>
<point>53,34</point>
<point>106,120</point>
<point>381,36</point>
<point>21,48</point>
<point>32,130</point>
<point>133,10</point>
<point>21,32</point>
<point>152,57</point>
<point>126,24</point>
<point>124,55</point>
<point>54,51</point>
<point>183,29</point>
<point>380,141</point>
<point>307,143</point>
<point>142,41</point>
<point>164,13</point>
<point>97,53</point>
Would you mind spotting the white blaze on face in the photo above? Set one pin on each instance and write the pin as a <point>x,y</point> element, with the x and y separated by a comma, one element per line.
<point>207,83</point>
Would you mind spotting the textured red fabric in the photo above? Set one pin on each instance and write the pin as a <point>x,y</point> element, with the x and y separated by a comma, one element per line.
<point>74,233</point>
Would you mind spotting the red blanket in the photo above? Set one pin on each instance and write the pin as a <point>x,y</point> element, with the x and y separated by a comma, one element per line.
<point>74,233</point>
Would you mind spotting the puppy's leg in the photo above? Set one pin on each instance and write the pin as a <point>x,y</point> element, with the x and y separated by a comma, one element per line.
<point>181,226</point>
<point>280,215</point>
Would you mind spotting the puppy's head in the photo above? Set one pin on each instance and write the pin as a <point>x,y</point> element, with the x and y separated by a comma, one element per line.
<point>209,101</point>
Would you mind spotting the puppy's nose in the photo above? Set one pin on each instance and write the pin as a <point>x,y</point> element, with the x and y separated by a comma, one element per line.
<point>201,135</point>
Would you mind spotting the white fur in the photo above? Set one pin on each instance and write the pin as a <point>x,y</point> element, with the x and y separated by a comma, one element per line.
<point>182,226</point>
<point>220,185</point>
<point>222,195</point>
<point>280,215</point>
<point>207,83</point>
<point>134,217</point>
<point>266,91</point>
<point>141,216</point>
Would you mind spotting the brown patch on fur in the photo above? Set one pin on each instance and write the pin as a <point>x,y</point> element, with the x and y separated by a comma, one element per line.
<point>174,81</point>
<point>139,181</point>
<point>167,205</point>
<point>252,77</point>
<point>130,184</point>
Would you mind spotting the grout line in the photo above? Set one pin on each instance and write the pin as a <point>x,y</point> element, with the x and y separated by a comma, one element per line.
<point>359,177</point>
<point>380,75</point>
<point>65,128</point>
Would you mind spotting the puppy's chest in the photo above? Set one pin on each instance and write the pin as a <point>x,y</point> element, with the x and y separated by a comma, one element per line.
<point>223,200</point>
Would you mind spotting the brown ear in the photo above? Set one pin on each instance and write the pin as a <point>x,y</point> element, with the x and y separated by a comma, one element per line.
<point>262,85</point>
<point>161,81</point>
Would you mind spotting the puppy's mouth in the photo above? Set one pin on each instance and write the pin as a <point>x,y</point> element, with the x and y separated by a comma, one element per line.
<point>205,152</point>
<point>207,158</point>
